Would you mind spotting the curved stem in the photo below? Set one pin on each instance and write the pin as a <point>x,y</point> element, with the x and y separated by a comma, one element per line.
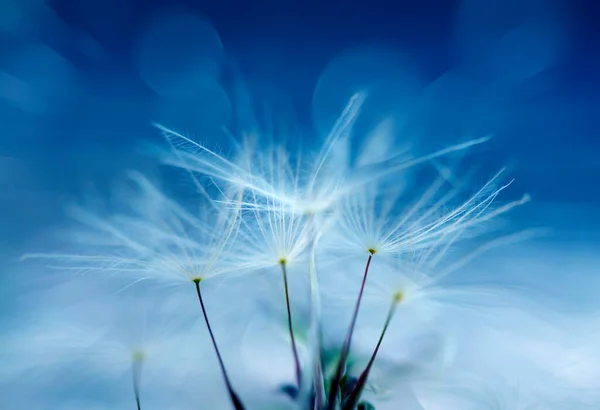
<point>237,404</point>
<point>353,398</point>
<point>336,381</point>
<point>290,325</point>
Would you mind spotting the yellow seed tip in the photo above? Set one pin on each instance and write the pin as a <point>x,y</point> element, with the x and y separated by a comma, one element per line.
<point>197,280</point>
<point>138,356</point>
<point>282,261</point>
<point>398,296</point>
<point>372,251</point>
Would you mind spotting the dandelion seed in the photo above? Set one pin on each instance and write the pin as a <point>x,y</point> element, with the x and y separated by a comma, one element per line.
<point>381,222</point>
<point>161,241</point>
<point>373,226</point>
<point>156,239</point>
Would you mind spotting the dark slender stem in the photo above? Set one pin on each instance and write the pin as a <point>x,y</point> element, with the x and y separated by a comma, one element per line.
<point>237,404</point>
<point>290,325</point>
<point>335,383</point>
<point>137,373</point>
<point>353,398</point>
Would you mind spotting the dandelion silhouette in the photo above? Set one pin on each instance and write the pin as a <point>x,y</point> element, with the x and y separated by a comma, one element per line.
<point>266,212</point>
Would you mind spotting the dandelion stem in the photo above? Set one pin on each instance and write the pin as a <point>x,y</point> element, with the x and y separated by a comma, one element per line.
<point>290,325</point>
<point>336,381</point>
<point>315,321</point>
<point>237,404</point>
<point>136,370</point>
<point>353,398</point>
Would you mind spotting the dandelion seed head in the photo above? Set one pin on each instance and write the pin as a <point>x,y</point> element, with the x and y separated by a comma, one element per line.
<point>378,218</point>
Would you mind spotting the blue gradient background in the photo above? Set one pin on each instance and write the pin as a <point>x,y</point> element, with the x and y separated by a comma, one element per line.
<point>78,94</point>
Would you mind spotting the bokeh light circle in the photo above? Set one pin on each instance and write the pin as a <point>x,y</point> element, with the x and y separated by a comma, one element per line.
<point>178,53</point>
<point>388,77</point>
